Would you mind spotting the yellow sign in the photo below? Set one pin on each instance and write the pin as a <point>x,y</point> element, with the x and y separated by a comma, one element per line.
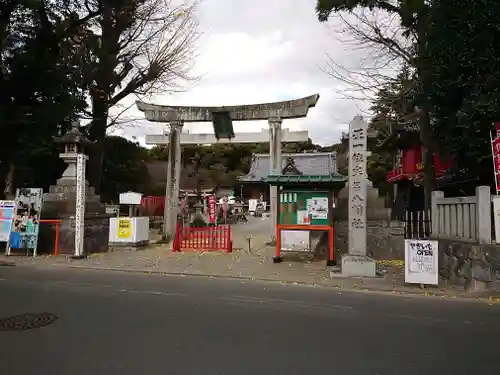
<point>124,228</point>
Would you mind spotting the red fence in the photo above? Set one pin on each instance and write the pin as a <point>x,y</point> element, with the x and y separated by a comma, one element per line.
<point>212,238</point>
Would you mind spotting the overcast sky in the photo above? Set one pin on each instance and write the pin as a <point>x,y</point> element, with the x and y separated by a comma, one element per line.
<point>262,51</point>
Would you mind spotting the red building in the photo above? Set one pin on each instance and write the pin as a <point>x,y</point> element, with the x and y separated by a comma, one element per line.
<point>407,174</point>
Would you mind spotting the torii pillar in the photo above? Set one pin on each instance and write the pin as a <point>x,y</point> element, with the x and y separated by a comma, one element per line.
<point>172,189</point>
<point>176,116</point>
<point>275,160</point>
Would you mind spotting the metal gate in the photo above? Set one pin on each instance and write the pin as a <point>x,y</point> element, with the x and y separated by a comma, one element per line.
<point>409,208</point>
<point>417,226</point>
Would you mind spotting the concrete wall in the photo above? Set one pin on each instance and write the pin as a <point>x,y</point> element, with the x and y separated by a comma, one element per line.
<point>385,239</point>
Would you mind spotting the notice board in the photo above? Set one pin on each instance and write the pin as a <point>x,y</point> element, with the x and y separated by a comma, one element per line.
<point>304,208</point>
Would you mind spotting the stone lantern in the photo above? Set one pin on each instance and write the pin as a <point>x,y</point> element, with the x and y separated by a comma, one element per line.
<point>60,202</point>
<point>75,142</point>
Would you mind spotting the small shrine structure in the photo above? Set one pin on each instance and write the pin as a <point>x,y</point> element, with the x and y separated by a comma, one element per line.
<point>305,203</point>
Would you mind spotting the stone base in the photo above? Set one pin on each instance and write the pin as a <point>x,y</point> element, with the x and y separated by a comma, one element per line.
<point>128,245</point>
<point>96,235</point>
<point>357,265</point>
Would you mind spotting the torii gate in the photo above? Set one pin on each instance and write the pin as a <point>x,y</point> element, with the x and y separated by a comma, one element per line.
<point>176,116</point>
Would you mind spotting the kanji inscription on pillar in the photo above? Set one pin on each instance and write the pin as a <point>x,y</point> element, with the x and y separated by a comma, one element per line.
<point>357,185</point>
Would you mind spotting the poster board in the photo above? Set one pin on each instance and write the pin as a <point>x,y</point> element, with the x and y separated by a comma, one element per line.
<point>124,225</point>
<point>304,208</point>
<point>421,262</point>
<point>26,220</point>
<point>6,215</point>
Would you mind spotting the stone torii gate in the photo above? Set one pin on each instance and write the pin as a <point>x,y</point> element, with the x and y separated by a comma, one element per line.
<point>176,116</point>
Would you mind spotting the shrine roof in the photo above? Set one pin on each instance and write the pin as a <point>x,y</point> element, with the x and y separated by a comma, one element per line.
<point>312,164</point>
<point>287,179</point>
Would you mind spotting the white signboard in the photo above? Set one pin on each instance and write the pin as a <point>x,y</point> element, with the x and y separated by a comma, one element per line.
<point>357,186</point>
<point>80,203</point>
<point>295,240</point>
<point>421,262</point>
<point>130,198</point>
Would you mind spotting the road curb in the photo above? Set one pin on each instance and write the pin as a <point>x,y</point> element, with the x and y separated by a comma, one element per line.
<point>391,292</point>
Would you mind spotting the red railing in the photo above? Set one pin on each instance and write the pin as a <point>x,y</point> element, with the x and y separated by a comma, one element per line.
<point>49,221</point>
<point>212,238</point>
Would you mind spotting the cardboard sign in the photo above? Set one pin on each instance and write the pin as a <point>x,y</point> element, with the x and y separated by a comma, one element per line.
<point>421,262</point>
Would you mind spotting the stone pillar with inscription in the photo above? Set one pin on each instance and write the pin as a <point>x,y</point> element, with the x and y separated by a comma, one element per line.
<point>275,160</point>
<point>356,262</point>
<point>172,189</point>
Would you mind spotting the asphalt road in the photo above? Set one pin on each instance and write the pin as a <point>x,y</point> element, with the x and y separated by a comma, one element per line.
<point>121,323</point>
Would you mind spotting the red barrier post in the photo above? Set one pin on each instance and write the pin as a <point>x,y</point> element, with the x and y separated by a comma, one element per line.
<point>229,241</point>
<point>56,244</point>
<point>330,243</point>
<point>56,241</point>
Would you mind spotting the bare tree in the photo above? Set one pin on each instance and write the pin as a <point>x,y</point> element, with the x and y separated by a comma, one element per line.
<point>386,47</point>
<point>140,47</point>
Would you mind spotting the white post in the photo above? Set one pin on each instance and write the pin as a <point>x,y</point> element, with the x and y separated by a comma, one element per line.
<point>80,205</point>
<point>435,195</point>
<point>356,263</point>
<point>177,180</point>
<point>483,214</point>
<point>275,161</point>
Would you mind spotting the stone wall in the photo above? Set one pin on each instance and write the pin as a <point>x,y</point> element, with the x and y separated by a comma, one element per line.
<point>476,267</point>
<point>96,235</point>
<point>385,239</point>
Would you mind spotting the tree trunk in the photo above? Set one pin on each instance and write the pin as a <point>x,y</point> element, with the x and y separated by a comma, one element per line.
<point>426,133</point>
<point>9,192</point>
<point>97,133</point>
<point>428,160</point>
<point>4,171</point>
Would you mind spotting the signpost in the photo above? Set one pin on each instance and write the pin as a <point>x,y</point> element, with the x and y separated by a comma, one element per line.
<point>356,262</point>
<point>303,208</point>
<point>80,205</point>
<point>26,220</point>
<point>421,262</point>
